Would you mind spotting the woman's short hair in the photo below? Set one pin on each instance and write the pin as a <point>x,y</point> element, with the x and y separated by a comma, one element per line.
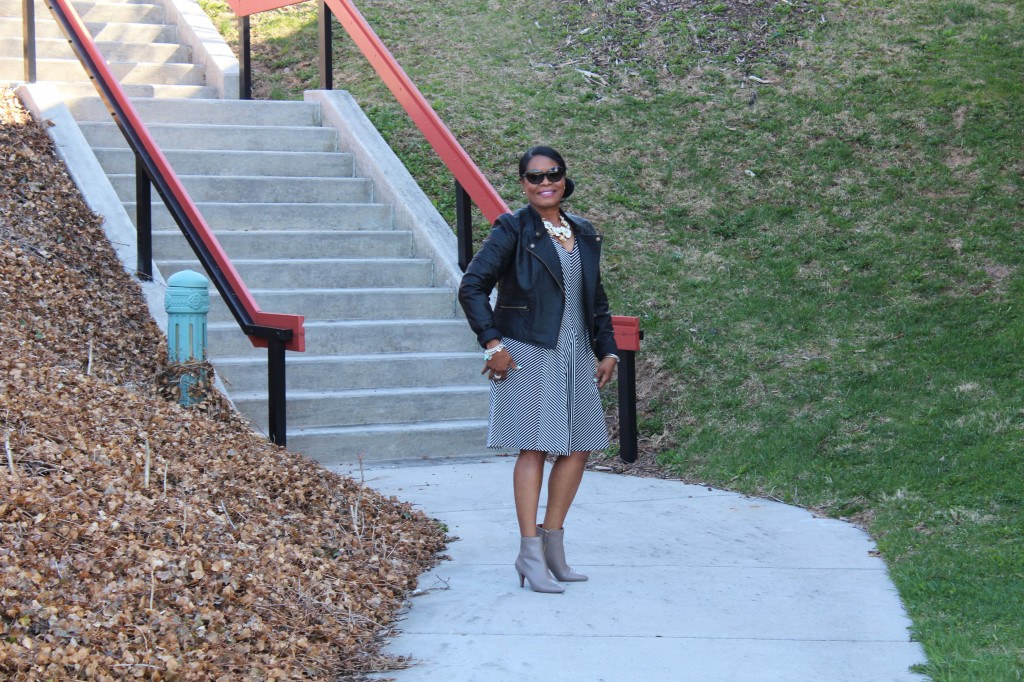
<point>544,150</point>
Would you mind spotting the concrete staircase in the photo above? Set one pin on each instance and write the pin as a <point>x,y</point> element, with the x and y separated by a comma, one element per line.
<point>141,43</point>
<point>391,370</point>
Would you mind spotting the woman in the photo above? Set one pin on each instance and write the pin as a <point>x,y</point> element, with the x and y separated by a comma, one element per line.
<point>549,328</point>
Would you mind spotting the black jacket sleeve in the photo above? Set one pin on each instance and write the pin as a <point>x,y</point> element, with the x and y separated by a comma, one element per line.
<point>495,256</point>
<point>604,332</point>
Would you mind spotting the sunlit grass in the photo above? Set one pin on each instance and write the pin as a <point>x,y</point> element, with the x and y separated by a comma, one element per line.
<point>822,240</point>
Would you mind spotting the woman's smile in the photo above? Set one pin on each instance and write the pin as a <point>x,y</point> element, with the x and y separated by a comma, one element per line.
<point>546,197</point>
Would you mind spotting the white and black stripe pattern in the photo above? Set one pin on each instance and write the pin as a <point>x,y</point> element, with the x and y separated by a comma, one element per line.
<point>551,403</point>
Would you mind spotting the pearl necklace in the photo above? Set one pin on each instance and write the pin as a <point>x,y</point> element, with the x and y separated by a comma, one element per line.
<point>559,232</point>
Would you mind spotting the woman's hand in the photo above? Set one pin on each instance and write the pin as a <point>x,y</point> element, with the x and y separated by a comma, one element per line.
<point>499,365</point>
<point>605,371</point>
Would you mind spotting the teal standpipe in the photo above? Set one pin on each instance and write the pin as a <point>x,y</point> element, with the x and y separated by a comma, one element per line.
<point>187,301</point>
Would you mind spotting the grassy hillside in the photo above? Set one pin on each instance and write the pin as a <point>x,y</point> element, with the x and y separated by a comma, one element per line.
<point>816,210</point>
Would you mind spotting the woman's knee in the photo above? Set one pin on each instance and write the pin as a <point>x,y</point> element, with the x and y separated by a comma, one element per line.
<point>579,458</point>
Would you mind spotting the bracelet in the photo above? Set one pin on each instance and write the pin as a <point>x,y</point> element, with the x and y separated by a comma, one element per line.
<point>612,355</point>
<point>491,352</point>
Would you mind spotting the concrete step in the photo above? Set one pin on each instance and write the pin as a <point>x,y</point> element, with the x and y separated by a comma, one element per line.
<point>406,442</point>
<point>97,12</point>
<point>56,48</point>
<point>393,303</point>
<point>14,7</point>
<point>40,5</point>
<point>246,138</point>
<point>208,112</point>
<point>326,373</point>
<point>225,189</point>
<point>226,216</point>
<point>328,273</point>
<point>217,163</point>
<point>46,27</point>
<point>356,337</point>
<point>366,407</point>
<point>72,90</point>
<point>172,245</point>
<point>12,69</point>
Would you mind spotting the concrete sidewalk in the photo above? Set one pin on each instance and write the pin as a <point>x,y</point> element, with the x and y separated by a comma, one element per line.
<point>686,583</point>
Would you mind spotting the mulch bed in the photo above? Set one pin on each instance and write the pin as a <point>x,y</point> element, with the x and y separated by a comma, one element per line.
<point>139,539</point>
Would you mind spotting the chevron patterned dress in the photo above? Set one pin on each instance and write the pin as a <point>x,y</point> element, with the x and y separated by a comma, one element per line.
<point>551,403</point>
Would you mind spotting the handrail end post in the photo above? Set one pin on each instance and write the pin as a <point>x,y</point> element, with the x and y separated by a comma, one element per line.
<point>28,28</point>
<point>627,407</point>
<point>143,221</point>
<point>464,225</point>
<point>325,26</point>
<point>276,396</point>
<point>245,58</point>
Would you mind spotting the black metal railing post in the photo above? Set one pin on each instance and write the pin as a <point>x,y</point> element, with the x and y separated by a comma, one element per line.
<point>28,46</point>
<point>627,406</point>
<point>143,221</point>
<point>245,61</point>
<point>325,22</point>
<point>464,225</point>
<point>276,398</point>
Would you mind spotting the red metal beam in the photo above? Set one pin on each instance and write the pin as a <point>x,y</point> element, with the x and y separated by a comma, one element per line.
<point>245,8</point>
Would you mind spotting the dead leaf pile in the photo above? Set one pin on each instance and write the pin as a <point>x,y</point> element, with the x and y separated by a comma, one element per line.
<point>142,540</point>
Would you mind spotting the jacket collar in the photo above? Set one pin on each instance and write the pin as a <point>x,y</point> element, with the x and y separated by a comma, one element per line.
<point>541,246</point>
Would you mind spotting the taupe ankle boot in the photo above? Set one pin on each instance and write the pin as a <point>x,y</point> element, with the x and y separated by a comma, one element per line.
<point>530,566</point>
<point>554,554</point>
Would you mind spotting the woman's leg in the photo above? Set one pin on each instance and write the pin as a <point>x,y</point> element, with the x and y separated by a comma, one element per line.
<point>526,483</point>
<point>563,483</point>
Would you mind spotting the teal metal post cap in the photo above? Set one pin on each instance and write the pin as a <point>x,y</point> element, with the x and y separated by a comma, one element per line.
<point>188,292</point>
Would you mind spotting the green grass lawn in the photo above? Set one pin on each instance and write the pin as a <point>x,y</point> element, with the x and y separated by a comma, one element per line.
<point>816,210</point>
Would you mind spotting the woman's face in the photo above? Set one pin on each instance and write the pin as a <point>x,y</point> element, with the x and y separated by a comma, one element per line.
<point>547,194</point>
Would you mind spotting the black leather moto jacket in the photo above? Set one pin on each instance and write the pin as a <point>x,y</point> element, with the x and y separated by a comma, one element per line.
<point>520,259</point>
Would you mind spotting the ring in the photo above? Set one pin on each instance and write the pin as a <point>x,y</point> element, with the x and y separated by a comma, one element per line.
<point>498,376</point>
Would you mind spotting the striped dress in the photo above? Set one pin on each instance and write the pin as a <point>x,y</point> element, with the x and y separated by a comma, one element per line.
<point>551,403</point>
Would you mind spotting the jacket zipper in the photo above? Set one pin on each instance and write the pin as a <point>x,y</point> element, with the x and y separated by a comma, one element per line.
<point>557,281</point>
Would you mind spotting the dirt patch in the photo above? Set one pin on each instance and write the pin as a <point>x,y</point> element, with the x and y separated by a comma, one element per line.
<point>742,31</point>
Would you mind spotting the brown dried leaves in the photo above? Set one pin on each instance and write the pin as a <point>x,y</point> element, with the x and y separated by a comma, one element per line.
<point>139,539</point>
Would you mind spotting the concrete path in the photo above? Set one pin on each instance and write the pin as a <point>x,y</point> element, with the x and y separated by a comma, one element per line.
<point>686,583</point>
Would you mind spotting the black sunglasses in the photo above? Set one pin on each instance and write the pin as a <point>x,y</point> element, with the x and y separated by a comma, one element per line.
<point>536,177</point>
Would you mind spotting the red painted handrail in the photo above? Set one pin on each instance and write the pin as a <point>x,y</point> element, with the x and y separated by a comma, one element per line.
<point>437,134</point>
<point>294,323</point>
